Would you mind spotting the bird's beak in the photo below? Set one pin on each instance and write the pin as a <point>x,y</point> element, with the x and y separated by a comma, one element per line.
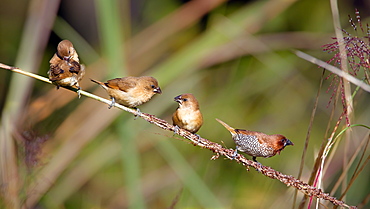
<point>158,90</point>
<point>178,99</point>
<point>288,142</point>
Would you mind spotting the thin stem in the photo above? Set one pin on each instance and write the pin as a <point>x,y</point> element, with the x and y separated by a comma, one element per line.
<point>309,134</point>
<point>333,69</point>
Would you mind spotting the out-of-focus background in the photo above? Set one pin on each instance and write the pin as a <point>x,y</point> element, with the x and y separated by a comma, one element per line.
<point>58,151</point>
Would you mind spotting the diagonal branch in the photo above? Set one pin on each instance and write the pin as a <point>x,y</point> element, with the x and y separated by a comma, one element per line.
<point>207,144</point>
<point>333,69</point>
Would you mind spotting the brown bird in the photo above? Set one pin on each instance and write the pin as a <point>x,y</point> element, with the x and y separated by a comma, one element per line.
<point>131,91</point>
<point>65,69</point>
<point>187,115</point>
<point>257,144</point>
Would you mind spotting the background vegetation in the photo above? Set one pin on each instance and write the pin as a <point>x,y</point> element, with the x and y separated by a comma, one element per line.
<point>234,56</point>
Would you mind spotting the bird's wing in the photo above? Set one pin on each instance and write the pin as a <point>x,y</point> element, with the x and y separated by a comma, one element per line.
<point>123,84</point>
<point>175,119</point>
<point>81,72</point>
<point>261,137</point>
<point>56,70</point>
<point>75,67</point>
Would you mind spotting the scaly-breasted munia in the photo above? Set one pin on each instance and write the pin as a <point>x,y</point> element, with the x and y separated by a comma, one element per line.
<point>65,69</point>
<point>257,144</point>
<point>187,115</point>
<point>131,91</point>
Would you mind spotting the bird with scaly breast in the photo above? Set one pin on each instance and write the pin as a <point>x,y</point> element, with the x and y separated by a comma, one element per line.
<point>257,144</point>
<point>130,91</point>
<point>187,115</point>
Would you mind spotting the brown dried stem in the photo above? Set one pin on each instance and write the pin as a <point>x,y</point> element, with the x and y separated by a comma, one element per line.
<point>212,146</point>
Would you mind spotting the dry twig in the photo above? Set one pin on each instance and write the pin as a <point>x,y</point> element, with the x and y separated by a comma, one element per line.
<point>334,70</point>
<point>212,146</point>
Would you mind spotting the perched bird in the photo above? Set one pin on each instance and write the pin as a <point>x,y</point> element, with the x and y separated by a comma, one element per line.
<point>187,115</point>
<point>131,91</point>
<point>65,69</point>
<point>257,144</point>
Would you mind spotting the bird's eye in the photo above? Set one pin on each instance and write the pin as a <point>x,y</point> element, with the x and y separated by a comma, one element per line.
<point>153,87</point>
<point>185,100</point>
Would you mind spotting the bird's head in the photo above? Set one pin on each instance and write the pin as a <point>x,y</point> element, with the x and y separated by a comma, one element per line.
<point>151,84</point>
<point>187,100</point>
<point>280,142</point>
<point>66,51</point>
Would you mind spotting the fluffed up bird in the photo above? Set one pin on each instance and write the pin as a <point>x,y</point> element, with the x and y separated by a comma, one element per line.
<point>257,144</point>
<point>131,91</point>
<point>65,69</point>
<point>187,115</point>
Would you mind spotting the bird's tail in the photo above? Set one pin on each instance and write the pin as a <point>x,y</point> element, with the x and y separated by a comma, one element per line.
<point>229,128</point>
<point>100,83</point>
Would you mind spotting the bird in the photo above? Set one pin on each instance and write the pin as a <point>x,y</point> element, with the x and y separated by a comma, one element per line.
<point>187,116</point>
<point>65,68</point>
<point>130,91</point>
<point>257,144</point>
